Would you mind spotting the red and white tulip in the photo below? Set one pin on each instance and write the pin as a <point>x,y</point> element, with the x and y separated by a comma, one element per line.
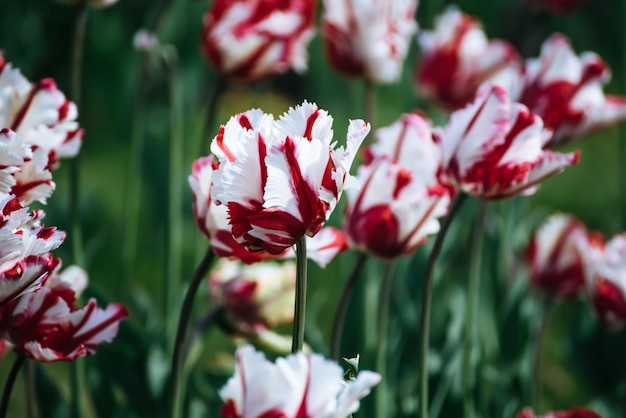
<point>605,269</point>
<point>577,412</point>
<point>394,210</point>
<point>556,6</point>
<point>213,222</point>
<point>369,39</point>
<point>493,148</point>
<point>280,180</point>
<point>47,325</point>
<point>566,91</point>
<point>40,114</point>
<point>401,197</point>
<point>254,297</point>
<point>295,386</point>
<point>555,254</point>
<point>249,40</point>
<point>457,57</point>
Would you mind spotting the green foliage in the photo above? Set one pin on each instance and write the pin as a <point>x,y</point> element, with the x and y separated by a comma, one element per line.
<point>584,363</point>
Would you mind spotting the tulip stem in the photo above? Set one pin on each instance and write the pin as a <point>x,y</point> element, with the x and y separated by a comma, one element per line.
<point>426,302</point>
<point>473,294</point>
<point>218,89</point>
<point>342,308</point>
<point>300,303</point>
<point>8,385</point>
<point>369,111</point>
<point>185,313</point>
<point>174,228</point>
<point>77,368</point>
<point>201,325</point>
<point>382,324</point>
<point>31,389</point>
<point>540,333</point>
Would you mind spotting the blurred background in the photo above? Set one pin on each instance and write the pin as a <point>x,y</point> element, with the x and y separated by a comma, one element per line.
<point>584,363</point>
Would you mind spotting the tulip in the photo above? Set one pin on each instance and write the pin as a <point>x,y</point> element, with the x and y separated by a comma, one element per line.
<point>295,386</point>
<point>249,40</point>
<point>566,91</point>
<point>369,39</point>
<point>280,180</point>
<point>456,58</point>
<point>577,412</point>
<point>555,255</point>
<point>493,148</point>
<point>40,114</point>
<point>47,325</point>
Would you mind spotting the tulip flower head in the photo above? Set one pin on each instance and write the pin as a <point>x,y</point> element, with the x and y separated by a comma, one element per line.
<point>249,40</point>
<point>577,412</point>
<point>556,6</point>
<point>555,255</point>
<point>400,198</point>
<point>256,296</point>
<point>47,325</point>
<point>493,148</point>
<point>369,39</point>
<point>605,268</point>
<point>213,222</point>
<point>40,114</point>
<point>295,386</point>
<point>566,91</point>
<point>99,4</point>
<point>456,58</point>
<point>280,180</point>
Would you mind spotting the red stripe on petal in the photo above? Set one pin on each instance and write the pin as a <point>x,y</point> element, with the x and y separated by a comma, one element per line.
<point>308,132</point>
<point>309,205</point>
<point>219,139</point>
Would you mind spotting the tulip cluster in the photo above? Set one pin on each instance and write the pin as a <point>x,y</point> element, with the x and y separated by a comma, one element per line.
<point>564,89</point>
<point>39,312</point>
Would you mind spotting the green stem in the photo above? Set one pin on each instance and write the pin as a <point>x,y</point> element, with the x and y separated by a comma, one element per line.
<point>382,325</point>
<point>77,368</point>
<point>218,89</point>
<point>201,325</point>
<point>8,385</point>
<point>174,228</point>
<point>342,308</point>
<point>540,333</point>
<point>31,389</point>
<point>426,302</point>
<point>77,62</point>
<point>369,110</point>
<point>473,294</point>
<point>300,303</point>
<point>133,182</point>
<point>185,313</point>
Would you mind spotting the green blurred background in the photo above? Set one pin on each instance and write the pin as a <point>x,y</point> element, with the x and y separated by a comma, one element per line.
<point>584,364</point>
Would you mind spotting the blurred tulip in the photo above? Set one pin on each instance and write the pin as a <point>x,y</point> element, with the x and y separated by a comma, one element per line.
<point>566,91</point>
<point>577,412</point>
<point>456,58</point>
<point>254,297</point>
<point>400,198</point>
<point>556,6</point>
<point>250,40</point>
<point>369,39</point>
<point>295,386</point>
<point>100,4</point>
<point>493,148</point>
<point>280,180</point>
<point>605,269</point>
<point>555,255</point>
